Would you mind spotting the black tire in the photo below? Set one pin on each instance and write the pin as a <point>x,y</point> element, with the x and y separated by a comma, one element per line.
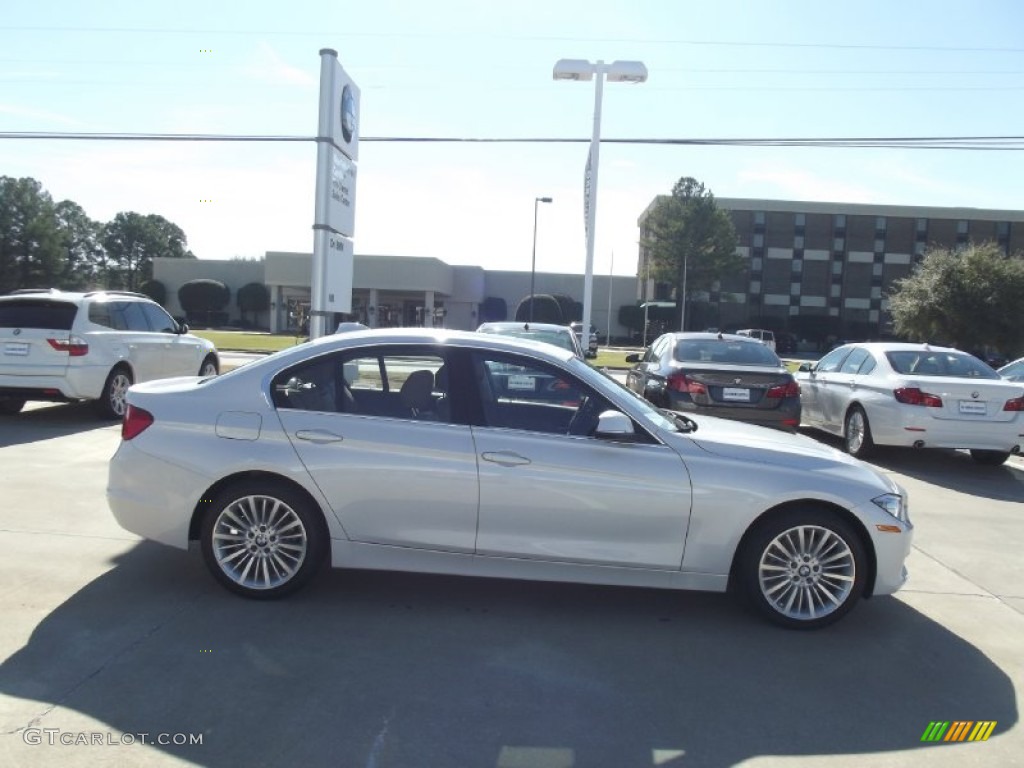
<point>782,574</point>
<point>990,458</point>
<point>11,405</point>
<point>857,439</point>
<point>244,543</point>
<point>112,403</point>
<point>209,367</point>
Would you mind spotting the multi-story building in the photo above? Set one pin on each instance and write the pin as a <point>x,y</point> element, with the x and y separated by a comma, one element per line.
<point>822,271</point>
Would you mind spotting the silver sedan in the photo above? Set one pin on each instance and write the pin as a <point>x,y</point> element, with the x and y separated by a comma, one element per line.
<point>447,452</point>
<point>913,395</point>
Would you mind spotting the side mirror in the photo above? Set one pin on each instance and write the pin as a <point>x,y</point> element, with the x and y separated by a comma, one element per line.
<point>182,327</point>
<point>633,357</point>
<point>614,424</point>
<point>806,367</point>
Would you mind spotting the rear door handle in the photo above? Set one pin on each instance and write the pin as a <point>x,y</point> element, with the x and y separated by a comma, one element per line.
<point>505,458</point>
<point>318,436</point>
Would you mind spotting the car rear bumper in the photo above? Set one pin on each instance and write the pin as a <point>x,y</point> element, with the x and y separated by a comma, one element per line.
<point>151,497</point>
<point>77,383</point>
<point>938,433</point>
<point>785,417</point>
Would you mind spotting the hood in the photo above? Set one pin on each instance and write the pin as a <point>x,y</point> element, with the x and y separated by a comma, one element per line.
<point>752,444</point>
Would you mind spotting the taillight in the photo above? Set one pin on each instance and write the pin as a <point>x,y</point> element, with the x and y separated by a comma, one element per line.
<point>74,346</point>
<point>914,396</point>
<point>680,383</point>
<point>1017,404</point>
<point>791,389</point>
<point>135,422</point>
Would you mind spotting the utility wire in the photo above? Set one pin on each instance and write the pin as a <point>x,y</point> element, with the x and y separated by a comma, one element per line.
<point>973,143</point>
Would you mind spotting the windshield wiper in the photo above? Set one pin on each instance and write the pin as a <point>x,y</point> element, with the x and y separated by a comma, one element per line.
<point>683,423</point>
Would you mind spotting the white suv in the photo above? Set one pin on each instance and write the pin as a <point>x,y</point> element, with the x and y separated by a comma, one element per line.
<point>61,346</point>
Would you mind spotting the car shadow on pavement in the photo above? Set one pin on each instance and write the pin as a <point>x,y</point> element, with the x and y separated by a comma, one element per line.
<point>49,421</point>
<point>382,669</point>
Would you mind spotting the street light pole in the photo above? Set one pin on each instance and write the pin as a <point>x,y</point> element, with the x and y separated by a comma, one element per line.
<point>533,260</point>
<point>617,71</point>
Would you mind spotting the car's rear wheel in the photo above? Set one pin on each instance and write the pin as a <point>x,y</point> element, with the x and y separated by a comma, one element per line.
<point>263,540</point>
<point>857,433</point>
<point>11,405</point>
<point>209,367</point>
<point>803,569</point>
<point>112,402</point>
<point>990,458</point>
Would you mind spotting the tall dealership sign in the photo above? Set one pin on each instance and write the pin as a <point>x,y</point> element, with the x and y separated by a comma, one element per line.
<point>337,151</point>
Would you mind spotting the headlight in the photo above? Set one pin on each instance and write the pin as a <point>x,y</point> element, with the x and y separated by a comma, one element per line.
<point>893,504</point>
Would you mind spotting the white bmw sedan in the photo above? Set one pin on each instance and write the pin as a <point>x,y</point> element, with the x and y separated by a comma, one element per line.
<point>458,453</point>
<point>913,395</point>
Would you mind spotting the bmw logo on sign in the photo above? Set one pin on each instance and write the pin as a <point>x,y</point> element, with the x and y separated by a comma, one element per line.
<point>348,114</point>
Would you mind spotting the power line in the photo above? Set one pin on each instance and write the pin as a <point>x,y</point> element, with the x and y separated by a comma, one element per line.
<point>999,143</point>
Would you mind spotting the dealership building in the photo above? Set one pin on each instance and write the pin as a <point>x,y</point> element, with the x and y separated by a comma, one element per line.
<point>823,269</point>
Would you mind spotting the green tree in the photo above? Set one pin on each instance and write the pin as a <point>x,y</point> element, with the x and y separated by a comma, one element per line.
<point>202,298</point>
<point>84,257</point>
<point>30,246</point>
<point>970,298</point>
<point>252,297</point>
<point>546,309</point>
<point>493,309</point>
<point>133,240</point>
<point>156,290</point>
<point>691,241</point>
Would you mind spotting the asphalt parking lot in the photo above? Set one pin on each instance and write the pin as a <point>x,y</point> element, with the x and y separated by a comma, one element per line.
<point>106,638</point>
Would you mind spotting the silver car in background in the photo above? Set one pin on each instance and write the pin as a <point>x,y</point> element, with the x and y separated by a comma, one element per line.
<point>913,395</point>
<point>480,455</point>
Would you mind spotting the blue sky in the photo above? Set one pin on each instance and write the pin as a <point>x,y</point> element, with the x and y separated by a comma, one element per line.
<point>475,68</point>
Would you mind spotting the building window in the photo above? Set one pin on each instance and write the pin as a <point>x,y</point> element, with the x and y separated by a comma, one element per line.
<point>794,289</point>
<point>839,221</point>
<point>919,248</point>
<point>759,218</point>
<point>755,286</point>
<point>799,219</point>
<point>798,266</point>
<point>961,227</point>
<point>755,264</point>
<point>836,291</point>
<point>798,241</point>
<point>879,246</point>
<point>838,243</point>
<point>880,223</point>
<point>837,267</point>
<point>759,241</point>
<point>1003,229</point>
<point>876,269</point>
<point>922,226</point>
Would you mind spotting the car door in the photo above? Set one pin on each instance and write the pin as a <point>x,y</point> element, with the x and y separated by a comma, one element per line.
<point>143,349</point>
<point>181,354</point>
<point>841,387</point>
<point>551,491</point>
<point>813,388</point>
<point>392,472</point>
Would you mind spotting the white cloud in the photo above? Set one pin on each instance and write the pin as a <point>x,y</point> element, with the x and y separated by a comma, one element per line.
<point>267,65</point>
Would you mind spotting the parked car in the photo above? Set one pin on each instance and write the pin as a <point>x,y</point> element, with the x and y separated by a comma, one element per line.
<point>549,333</point>
<point>1013,371</point>
<point>765,337</point>
<point>593,342</point>
<point>884,393</point>
<point>65,346</point>
<point>420,450</point>
<point>730,376</point>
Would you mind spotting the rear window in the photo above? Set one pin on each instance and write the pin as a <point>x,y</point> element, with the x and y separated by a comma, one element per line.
<point>931,363</point>
<point>562,340</point>
<point>722,351</point>
<point>37,313</point>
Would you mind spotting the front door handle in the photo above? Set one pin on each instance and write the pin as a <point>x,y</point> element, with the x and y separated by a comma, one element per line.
<point>505,458</point>
<point>318,436</point>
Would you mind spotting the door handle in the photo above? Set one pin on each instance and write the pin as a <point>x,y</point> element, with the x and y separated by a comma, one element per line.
<point>318,436</point>
<point>505,458</point>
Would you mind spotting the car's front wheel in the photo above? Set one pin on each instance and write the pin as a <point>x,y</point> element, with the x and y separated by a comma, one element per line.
<point>803,569</point>
<point>857,433</point>
<point>990,458</point>
<point>113,402</point>
<point>209,367</point>
<point>263,540</point>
